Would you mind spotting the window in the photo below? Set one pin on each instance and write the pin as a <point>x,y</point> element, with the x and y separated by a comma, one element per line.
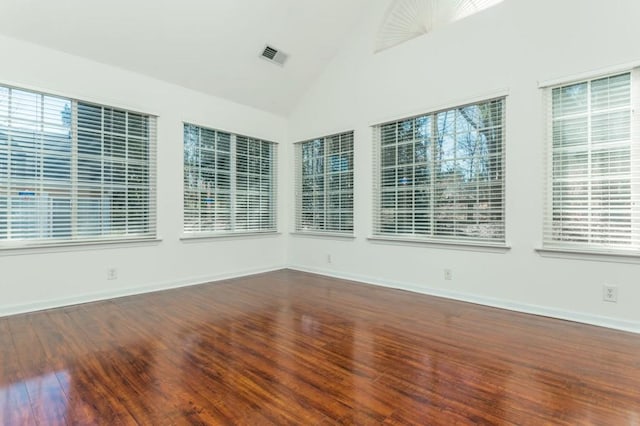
<point>440,176</point>
<point>592,179</point>
<point>229,183</point>
<point>324,184</point>
<point>72,171</point>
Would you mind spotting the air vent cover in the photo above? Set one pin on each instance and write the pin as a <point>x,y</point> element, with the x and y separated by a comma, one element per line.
<point>271,54</point>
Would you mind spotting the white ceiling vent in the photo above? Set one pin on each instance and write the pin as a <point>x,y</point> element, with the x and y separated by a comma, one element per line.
<point>271,54</point>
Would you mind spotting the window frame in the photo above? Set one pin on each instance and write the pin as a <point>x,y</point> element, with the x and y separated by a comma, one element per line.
<point>325,226</point>
<point>73,184</point>
<point>236,191</point>
<point>590,249</point>
<point>444,241</point>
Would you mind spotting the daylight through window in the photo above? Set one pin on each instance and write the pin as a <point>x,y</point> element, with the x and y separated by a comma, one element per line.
<point>73,171</point>
<point>592,181</point>
<point>229,183</point>
<point>440,176</point>
<point>324,184</point>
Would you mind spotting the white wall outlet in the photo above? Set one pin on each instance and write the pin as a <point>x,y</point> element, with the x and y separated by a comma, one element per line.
<point>610,293</point>
<point>448,274</point>
<point>329,260</point>
<point>112,274</point>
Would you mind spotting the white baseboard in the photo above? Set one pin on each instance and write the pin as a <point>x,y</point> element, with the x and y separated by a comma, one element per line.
<point>112,294</point>
<point>600,321</point>
<point>613,323</point>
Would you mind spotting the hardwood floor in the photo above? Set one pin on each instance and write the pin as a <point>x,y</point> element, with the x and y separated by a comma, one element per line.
<point>293,348</point>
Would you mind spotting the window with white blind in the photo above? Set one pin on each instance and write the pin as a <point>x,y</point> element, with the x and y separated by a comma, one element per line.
<point>229,183</point>
<point>73,171</point>
<point>324,184</point>
<point>593,185</point>
<point>440,177</point>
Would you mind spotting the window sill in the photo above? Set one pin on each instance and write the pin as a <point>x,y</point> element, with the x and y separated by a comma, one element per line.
<point>40,248</point>
<point>319,234</point>
<point>185,238</point>
<point>444,244</point>
<point>596,256</point>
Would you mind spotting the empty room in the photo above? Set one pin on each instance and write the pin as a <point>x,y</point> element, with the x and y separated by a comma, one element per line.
<point>305,212</point>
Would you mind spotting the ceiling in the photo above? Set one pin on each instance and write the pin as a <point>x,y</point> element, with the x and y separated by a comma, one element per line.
<point>212,46</point>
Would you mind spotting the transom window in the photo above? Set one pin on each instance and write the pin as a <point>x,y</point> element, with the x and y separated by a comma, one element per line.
<point>229,183</point>
<point>73,171</point>
<point>324,184</point>
<point>440,176</point>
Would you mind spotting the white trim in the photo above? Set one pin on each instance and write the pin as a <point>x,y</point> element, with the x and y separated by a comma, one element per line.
<point>91,99</point>
<point>589,75</point>
<point>600,321</point>
<point>76,246</point>
<point>486,96</point>
<point>319,234</point>
<point>300,140</point>
<point>613,323</point>
<point>221,130</point>
<point>200,237</point>
<point>131,291</point>
<point>481,246</point>
<point>597,256</point>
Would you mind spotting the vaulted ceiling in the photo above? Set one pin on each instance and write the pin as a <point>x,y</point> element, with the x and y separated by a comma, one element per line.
<point>212,46</point>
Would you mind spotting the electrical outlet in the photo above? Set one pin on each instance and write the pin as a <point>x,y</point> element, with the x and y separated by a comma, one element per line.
<point>610,293</point>
<point>448,275</point>
<point>112,274</point>
<point>329,260</point>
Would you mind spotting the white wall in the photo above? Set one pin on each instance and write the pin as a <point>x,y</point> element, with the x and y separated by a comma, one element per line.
<point>43,278</point>
<point>512,46</point>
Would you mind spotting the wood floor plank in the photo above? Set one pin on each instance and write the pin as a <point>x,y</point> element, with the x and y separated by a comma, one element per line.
<point>15,406</point>
<point>107,364</point>
<point>9,369</point>
<point>47,398</point>
<point>288,347</point>
<point>88,400</point>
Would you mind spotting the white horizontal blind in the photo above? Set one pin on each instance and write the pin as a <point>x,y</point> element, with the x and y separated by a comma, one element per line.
<point>255,185</point>
<point>324,184</point>
<point>207,180</point>
<point>440,176</point>
<point>115,172</point>
<point>593,192</point>
<point>73,171</point>
<point>229,183</point>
